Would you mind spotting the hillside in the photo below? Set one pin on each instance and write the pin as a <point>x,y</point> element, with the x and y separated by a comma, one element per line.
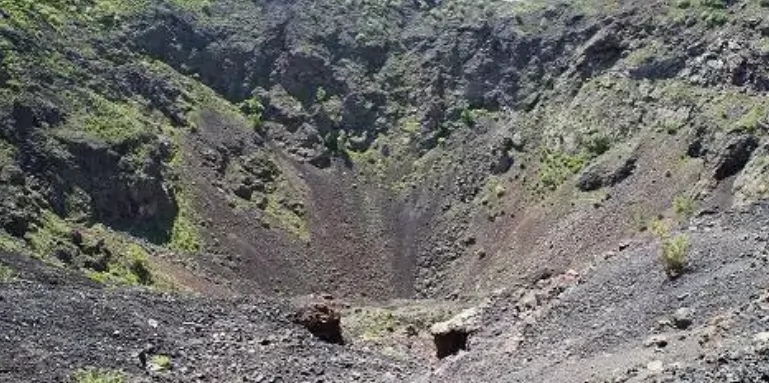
<point>208,163</point>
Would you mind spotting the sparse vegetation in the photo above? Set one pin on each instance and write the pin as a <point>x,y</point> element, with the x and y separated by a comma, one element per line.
<point>98,376</point>
<point>184,232</point>
<point>556,167</point>
<point>287,219</point>
<point>46,235</point>
<point>378,324</point>
<point>109,121</point>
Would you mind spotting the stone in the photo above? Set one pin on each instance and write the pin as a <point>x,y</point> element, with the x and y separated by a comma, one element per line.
<point>451,336</point>
<point>529,301</point>
<point>761,342</point>
<point>733,156</point>
<point>606,173</point>
<point>683,318</point>
<point>656,340</point>
<point>322,319</point>
<point>655,366</point>
<point>244,191</point>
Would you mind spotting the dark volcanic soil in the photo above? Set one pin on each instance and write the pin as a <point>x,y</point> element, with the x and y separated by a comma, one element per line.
<point>54,323</point>
<point>591,325</point>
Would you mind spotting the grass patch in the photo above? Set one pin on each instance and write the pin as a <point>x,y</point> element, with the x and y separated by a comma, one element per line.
<point>410,125</point>
<point>11,244</point>
<point>108,121</point>
<point>185,234</point>
<point>669,125</point>
<point>130,268</point>
<point>711,13</point>
<point>127,263</point>
<point>98,376</point>
<point>378,324</point>
<point>47,234</point>
<point>7,153</point>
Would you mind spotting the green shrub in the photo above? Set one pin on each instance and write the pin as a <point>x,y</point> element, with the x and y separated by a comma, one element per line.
<point>471,116</point>
<point>660,228</point>
<point>6,274</point>
<point>714,18</point>
<point>467,117</point>
<point>683,206</point>
<point>253,109</point>
<point>673,254</point>
<point>98,376</point>
<point>597,145</point>
<point>557,167</point>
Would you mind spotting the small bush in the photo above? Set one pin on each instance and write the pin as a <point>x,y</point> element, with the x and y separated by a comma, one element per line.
<point>98,376</point>
<point>6,274</point>
<point>598,145</point>
<point>683,207</point>
<point>715,4</point>
<point>468,117</point>
<point>673,254</point>
<point>253,109</point>
<point>714,18</point>
<point>161,362</point>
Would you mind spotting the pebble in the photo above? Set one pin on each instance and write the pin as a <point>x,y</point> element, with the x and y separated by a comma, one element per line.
<point>682,318</point>
<point>656,340</point>
<point>655,366</point>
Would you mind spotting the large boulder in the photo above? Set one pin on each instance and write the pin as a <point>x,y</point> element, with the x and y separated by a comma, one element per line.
<point>321,317</point>
<point>451,336</point>
<point>606,173</point>
<point>733,154</point>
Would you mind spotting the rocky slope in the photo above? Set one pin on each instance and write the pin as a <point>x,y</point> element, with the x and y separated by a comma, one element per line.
<point>491,154</point>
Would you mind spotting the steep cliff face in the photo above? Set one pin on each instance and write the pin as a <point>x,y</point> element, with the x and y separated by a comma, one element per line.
<point>372,149</point>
